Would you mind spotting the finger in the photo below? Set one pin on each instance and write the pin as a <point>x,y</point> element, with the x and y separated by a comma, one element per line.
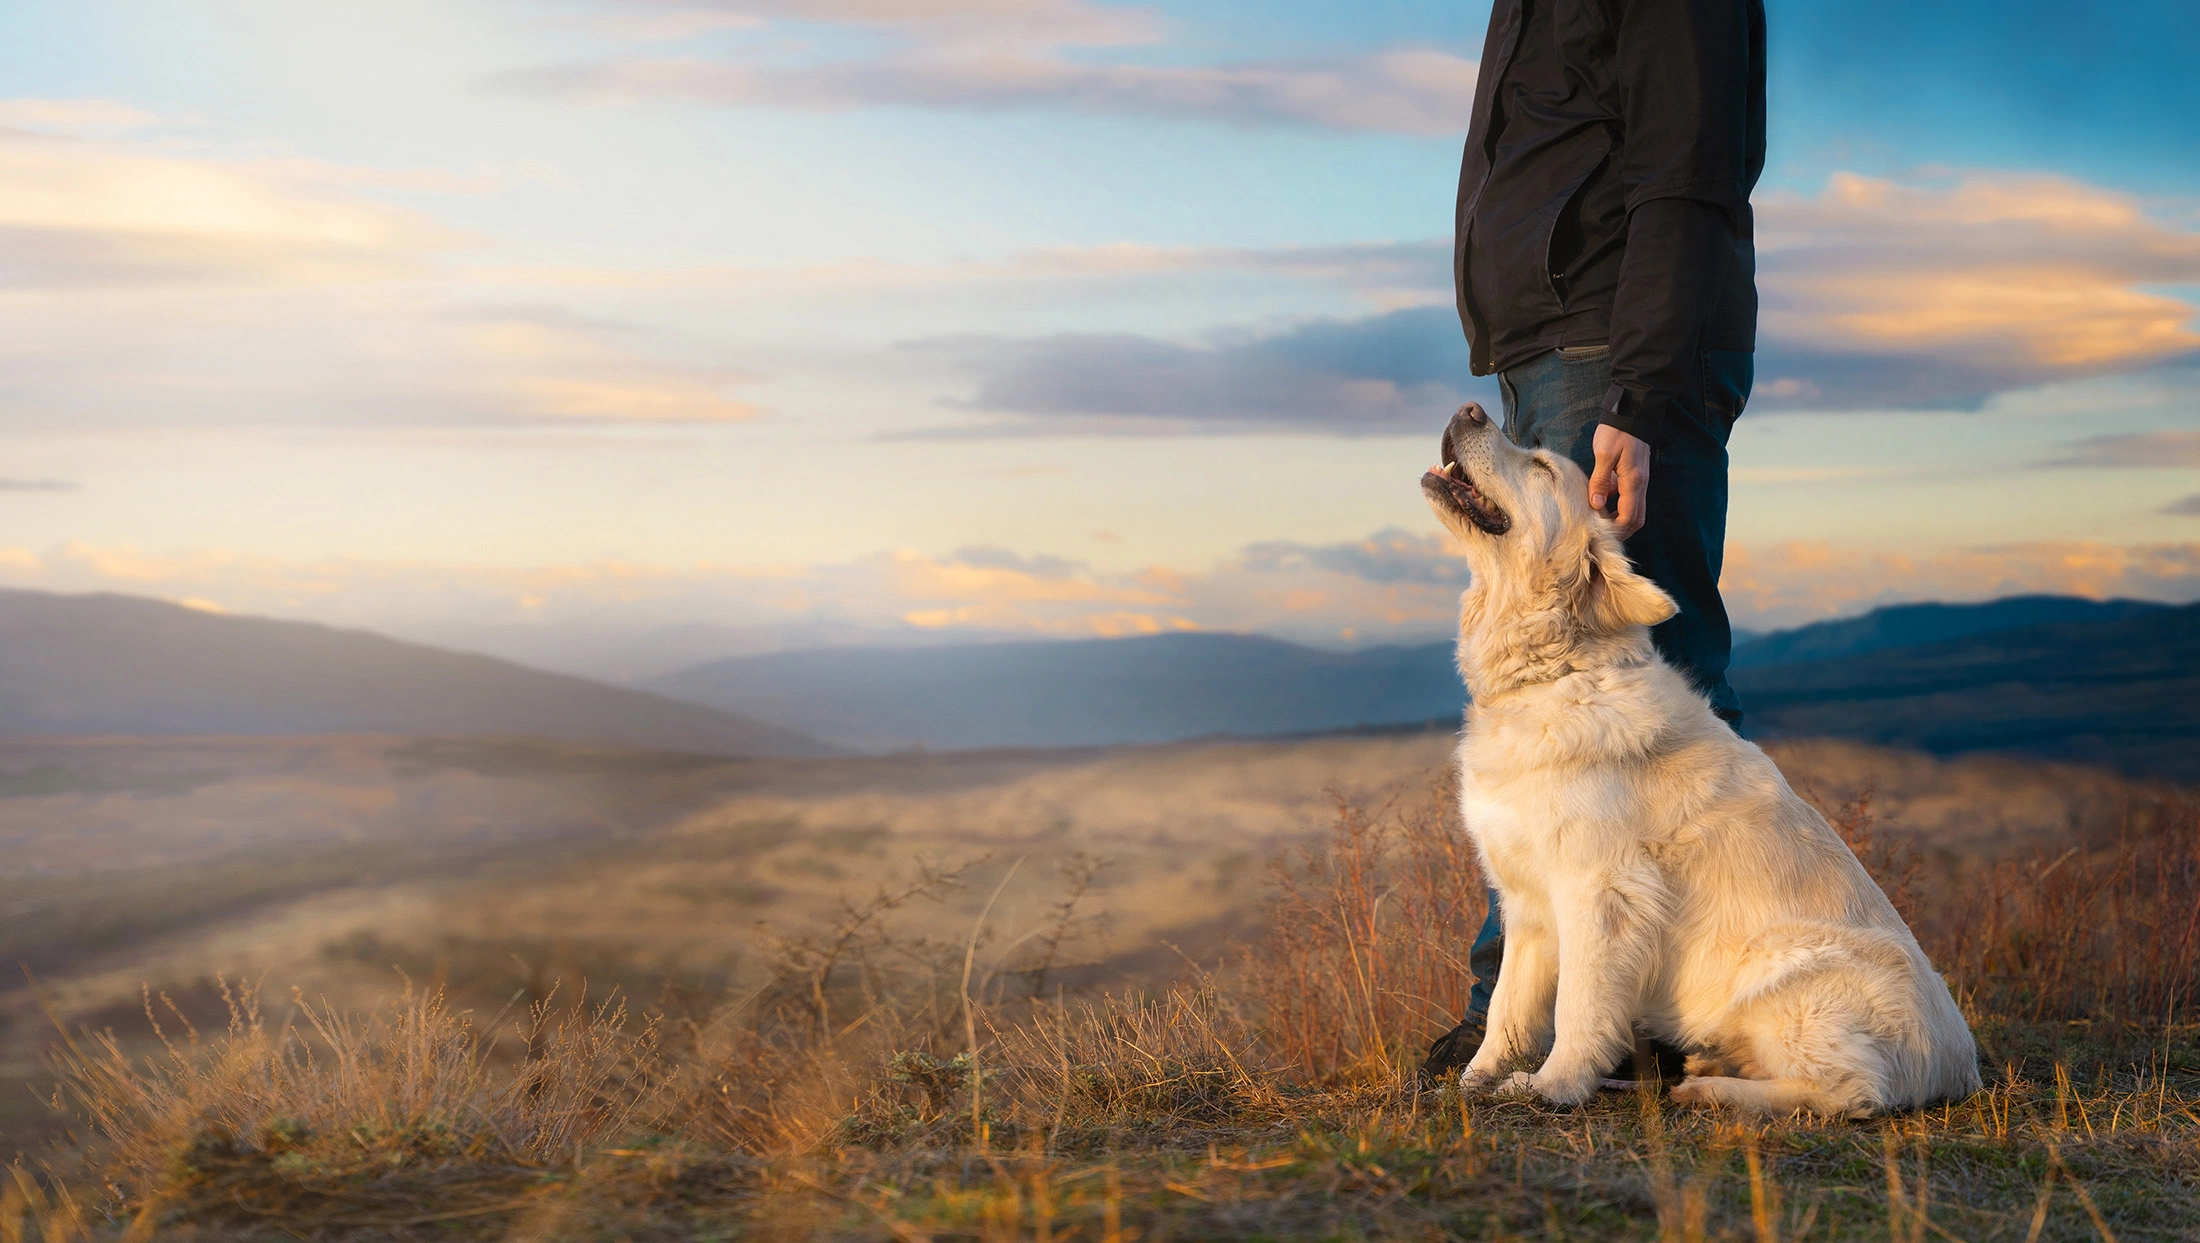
<point>1602,481</point>
<point>1631,491</point>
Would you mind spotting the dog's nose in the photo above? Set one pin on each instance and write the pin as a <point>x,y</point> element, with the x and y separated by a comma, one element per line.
<point>1469,419</point>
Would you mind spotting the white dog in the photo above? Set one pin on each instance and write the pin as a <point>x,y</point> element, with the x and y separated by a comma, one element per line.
<point>1655,872</point>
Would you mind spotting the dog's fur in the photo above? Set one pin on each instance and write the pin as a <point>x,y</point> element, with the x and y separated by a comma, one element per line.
<point>1656,873</point>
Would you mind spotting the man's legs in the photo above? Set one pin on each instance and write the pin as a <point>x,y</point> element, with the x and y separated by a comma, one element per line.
<point>1554,402</point>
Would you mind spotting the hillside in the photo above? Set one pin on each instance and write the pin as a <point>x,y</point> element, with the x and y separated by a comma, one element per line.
<point>1149,689</point>
<point>109,664</point>
<point>1906,625</point>
<point>2123,692</point>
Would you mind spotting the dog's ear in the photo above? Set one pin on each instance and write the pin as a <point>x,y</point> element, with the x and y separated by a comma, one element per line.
<point>1616,597</point>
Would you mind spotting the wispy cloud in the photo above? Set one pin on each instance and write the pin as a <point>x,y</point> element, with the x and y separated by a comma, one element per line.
<point>2188,507</point>
<point>37,485</point>
<point>79,212</point>
<point>2138,450</point>
<point>1407,91</point>
<point>554,368</point>
<point>1004,54</point>
<point>1370,375</point>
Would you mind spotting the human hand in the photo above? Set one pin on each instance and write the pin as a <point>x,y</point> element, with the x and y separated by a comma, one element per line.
<point>1623,467</point>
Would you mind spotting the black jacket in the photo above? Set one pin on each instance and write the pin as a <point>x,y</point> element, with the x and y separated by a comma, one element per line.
<point>1604,195</point>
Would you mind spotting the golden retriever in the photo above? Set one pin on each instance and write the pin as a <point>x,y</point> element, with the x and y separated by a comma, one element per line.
<point>1654,870</point>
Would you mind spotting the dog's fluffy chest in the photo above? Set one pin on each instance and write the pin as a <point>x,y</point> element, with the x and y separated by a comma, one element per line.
<point>1531,823</point>
<point>1516,822</point>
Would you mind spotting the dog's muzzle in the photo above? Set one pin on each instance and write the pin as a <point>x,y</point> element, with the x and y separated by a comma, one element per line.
<point>1451,487</point>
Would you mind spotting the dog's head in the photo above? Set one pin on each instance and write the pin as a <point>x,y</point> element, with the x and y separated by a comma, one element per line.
<point>1530,536</point>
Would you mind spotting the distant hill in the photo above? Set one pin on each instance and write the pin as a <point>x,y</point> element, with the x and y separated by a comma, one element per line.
<point>2123,692</point>
<point>1905,625</point>
<point>1147,689</point>
<point>110,664</point>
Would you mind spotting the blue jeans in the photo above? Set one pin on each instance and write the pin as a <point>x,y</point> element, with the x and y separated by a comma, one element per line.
<point>1552,402</point>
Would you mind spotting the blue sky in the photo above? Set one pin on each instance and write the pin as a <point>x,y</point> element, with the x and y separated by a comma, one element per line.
<point>538,325</point>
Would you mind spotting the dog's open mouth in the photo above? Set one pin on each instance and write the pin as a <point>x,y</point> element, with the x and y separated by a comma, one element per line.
<point>1451,485</point>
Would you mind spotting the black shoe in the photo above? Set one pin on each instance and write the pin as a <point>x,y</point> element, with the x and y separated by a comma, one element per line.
<point>1452,1051</point>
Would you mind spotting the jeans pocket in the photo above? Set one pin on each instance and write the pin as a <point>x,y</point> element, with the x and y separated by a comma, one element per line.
<point>1582,353</point>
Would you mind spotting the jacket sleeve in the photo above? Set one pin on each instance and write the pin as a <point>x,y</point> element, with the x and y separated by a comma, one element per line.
<point>1683,75</point>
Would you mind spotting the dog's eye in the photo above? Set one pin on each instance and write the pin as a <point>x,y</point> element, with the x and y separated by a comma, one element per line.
<point>1544,465</point>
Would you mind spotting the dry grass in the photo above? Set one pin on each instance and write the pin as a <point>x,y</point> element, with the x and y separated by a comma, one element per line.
<point>1365,941</point>
<point>883,1080</point>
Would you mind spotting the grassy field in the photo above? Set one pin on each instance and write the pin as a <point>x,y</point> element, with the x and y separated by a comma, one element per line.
<point>387,988</point>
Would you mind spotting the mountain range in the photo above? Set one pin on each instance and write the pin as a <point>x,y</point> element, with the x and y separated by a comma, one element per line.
<point>111,664</point>
<point>2106,681</point>
<point>2114,682</point>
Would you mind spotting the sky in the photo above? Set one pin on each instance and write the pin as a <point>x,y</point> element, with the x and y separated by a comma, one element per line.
<point>612,333</point>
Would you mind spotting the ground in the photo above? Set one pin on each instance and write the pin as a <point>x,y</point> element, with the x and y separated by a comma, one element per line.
<point>1196,990</point>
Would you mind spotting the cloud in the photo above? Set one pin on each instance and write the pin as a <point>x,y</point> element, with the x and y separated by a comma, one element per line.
<point>2137,449</point>
<point>153,288</point>
<point>1940,292</point>
<point>1052,22</point>
<point>1790,584</point>
<point>994,557</point>
<point>553,368</point>
<point>1379,374</point>
<point>2188,507</point>
<point>37,485</point>
<point>1407,91</point>
<point>1389,556</point>
<point>82,213</point>
<point>991,55</point>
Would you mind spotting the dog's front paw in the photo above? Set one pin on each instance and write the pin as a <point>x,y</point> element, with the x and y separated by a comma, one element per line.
<point>1474,1082</point>
<point>1557,1089</point>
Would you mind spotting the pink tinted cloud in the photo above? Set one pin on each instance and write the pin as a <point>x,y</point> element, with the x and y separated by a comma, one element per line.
<point>1406,91</point>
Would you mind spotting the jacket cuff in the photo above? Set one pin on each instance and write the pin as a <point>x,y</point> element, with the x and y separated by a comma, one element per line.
<point>1633,413</point>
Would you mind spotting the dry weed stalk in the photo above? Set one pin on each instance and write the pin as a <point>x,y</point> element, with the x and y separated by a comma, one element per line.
<point>845,968</point>
<point>1364,953</point>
